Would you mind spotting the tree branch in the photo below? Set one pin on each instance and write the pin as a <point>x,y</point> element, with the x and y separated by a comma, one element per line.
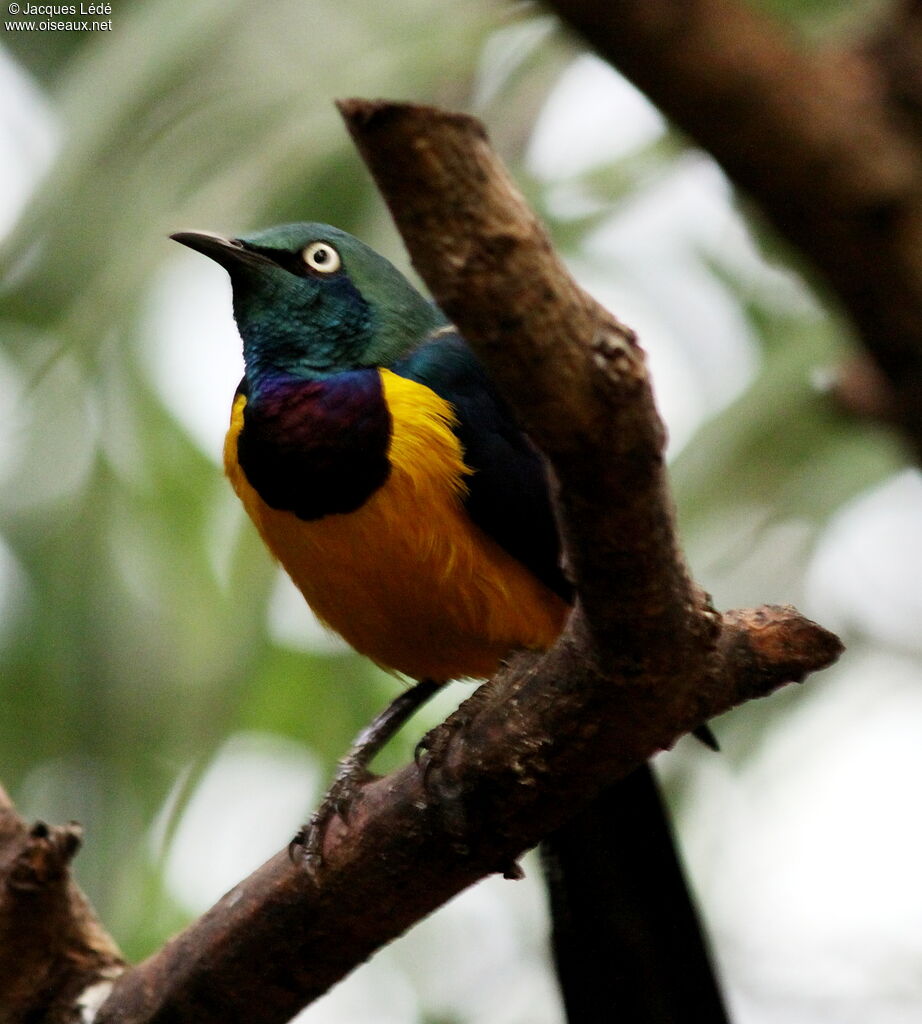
<point>644,658</point>
<point>53,950</point>
<point>896,49</point>
<point>574,374</point>
<point>816,138</point>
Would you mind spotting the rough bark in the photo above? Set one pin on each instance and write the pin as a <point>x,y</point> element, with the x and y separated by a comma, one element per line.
<point>53,951</point>
<point>552,733</point>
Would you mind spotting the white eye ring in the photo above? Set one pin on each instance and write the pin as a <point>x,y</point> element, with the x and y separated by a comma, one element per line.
<point>322,257</point>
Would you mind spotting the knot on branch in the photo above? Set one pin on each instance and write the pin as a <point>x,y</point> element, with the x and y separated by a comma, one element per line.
<point>615,351</point>
<point>45,856</point>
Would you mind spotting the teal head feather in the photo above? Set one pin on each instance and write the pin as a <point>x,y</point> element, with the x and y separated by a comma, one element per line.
<point>311,301</point>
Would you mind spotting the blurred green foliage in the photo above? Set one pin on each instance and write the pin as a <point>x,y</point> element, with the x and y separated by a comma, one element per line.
<point>129,656</point>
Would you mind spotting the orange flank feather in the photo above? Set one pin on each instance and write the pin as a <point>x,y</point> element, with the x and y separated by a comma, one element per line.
<point>408,579</point>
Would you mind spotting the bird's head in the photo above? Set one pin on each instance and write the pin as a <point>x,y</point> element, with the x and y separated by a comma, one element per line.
<point>311,300</point>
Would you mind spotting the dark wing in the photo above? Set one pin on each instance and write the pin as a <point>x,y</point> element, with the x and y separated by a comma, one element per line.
<point>508,496</point>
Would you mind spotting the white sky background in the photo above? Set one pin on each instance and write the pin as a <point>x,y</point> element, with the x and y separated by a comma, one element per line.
<point>807,856</point>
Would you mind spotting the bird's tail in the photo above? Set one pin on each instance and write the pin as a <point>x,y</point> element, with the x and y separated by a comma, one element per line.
<point>628,943</point>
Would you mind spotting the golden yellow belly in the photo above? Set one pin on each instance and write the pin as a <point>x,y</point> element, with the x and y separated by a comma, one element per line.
<point>407,579</point>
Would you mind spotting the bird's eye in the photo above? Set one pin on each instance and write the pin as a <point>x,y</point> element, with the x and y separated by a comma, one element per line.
<point>321,256</point>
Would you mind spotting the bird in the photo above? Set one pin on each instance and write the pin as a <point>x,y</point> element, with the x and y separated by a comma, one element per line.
<point>385,472</point>
<point>378,462</point>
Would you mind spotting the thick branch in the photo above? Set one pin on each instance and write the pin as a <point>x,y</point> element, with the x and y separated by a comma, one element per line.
<point>574,374</point>
<point>52,947</point>
<point>553,730</point>
<point>520,769</point>
<point>812,137</point>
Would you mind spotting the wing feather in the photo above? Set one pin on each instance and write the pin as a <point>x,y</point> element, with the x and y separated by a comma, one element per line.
<point>508,495</point>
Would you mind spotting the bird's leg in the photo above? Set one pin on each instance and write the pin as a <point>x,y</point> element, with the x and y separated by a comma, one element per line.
<point>352,771</point>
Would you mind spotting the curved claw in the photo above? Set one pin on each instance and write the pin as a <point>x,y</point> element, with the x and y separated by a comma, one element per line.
<point>351,776</point>
<point>421,751</point>
<point>428,752</point>
<point>352,773</point>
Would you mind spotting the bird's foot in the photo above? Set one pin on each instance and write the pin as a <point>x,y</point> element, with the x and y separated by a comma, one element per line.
<point>432,750</point>
<point>445,794</point>
<point>429,753</point>
<point>351,776</point>
<point>353,773</point>
<point>432,756</point>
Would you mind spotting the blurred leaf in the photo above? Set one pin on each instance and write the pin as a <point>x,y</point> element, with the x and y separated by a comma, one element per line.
<point>826,18</point>
<point>784,445</point>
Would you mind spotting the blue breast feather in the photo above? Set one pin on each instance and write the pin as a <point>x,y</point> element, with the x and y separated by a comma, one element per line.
<point>315,447</point>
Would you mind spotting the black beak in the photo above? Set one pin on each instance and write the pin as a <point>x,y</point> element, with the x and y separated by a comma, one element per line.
<point>229,252</point>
